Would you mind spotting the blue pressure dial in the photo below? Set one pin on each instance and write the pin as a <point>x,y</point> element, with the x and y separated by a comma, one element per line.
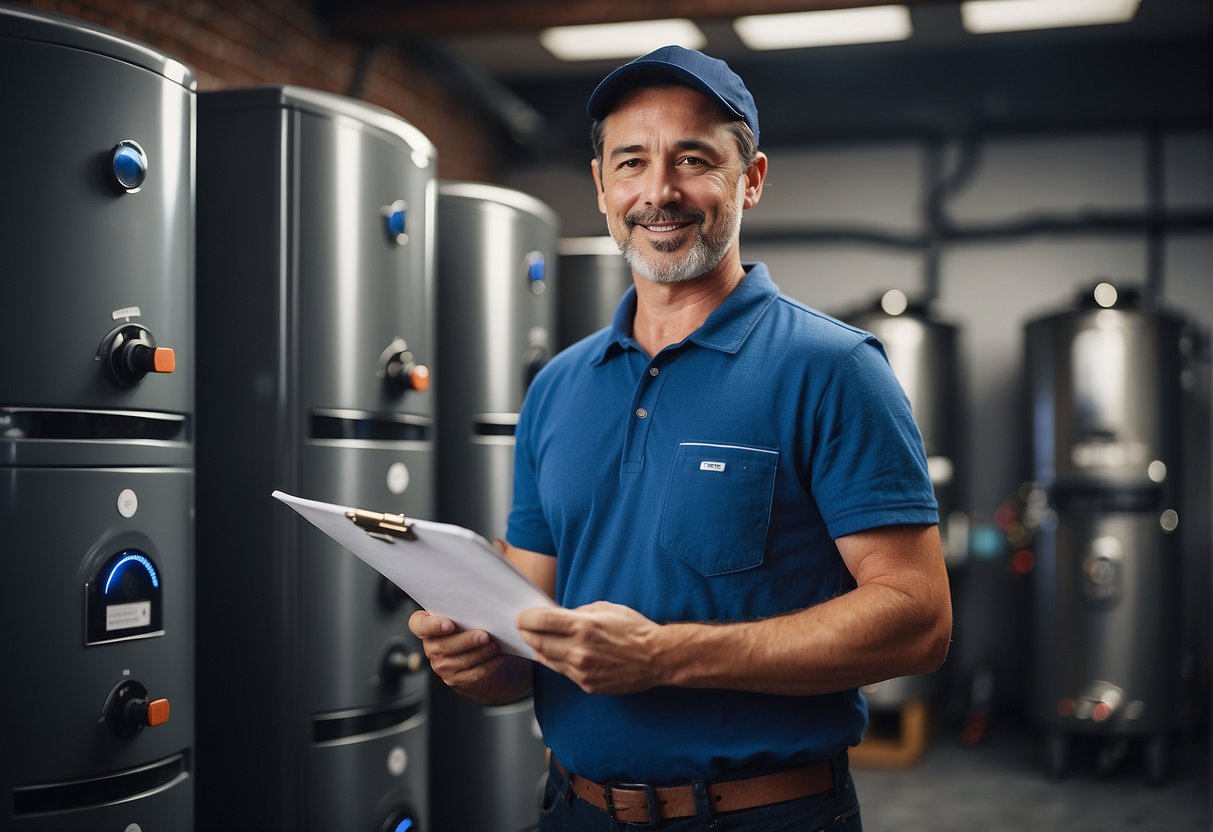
<point>128,165</point>
<point>396,217</point>
<point>123,599</point>
<point>536,271</point>
<point>132,560</point>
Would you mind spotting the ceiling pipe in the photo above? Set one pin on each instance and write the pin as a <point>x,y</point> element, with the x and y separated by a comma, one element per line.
<point>524,125</point>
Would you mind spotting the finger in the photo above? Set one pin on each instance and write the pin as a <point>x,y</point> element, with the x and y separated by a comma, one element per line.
<point>467,667</point>
<point>552,650</point>
<point>464,641</point>
<point>474,676</point>
<point>546,620</point>
<point>423,625</point>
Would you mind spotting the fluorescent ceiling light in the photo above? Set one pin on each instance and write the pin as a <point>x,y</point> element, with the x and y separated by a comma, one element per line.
<point>873,24</point>
<point>619,40</point>
<point>982,16</point>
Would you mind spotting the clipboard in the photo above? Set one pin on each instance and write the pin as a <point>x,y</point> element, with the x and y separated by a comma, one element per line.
<point>449,570</point>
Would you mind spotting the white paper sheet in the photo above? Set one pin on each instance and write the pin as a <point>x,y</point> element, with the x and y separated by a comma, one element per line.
<point>449,570</point>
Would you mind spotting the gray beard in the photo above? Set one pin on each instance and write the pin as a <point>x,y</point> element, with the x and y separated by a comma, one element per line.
<point>705,254</point>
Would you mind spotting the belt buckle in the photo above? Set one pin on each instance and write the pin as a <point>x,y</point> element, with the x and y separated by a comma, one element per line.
<point>650,796</point>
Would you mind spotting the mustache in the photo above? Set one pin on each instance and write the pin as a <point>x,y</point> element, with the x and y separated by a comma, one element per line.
<point>663,216</point>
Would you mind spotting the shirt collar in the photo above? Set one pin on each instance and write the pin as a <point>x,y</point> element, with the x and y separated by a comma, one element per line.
<point>726,329</point>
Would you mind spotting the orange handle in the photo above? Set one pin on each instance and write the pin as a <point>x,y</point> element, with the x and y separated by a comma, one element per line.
<point>164,360</point>
<point>419,378</point>
<point>157,712</point>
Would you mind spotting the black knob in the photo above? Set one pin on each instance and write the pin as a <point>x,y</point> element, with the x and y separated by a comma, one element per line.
<point>401,371</point>
<point>128,709</point>
<point>398,658</point>
<point>532,362</point>
<point>129,353</point>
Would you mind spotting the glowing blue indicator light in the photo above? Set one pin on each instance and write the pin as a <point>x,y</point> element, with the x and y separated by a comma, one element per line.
<point>536,272</point>
<point>396,222</point>
<point>133,558</point>
<point>535,267</point>
<point>404,825</point>
<point>396,217</point>
<point>129,164</point>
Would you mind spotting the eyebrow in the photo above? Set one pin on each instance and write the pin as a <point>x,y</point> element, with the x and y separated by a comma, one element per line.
<point>681,145</point>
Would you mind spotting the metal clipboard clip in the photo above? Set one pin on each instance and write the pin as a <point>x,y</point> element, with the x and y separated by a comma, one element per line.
<point>386,527</point>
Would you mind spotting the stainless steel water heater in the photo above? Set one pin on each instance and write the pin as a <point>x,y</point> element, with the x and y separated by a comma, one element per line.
<point>315,259</point>
<point>96,431</point>
<point>496,304</point>
<point>1106,399</point>
<point>593,277</point>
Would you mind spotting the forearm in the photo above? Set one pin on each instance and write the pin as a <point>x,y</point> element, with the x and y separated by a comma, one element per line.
<point>867,635</point>
<point>897,622</point>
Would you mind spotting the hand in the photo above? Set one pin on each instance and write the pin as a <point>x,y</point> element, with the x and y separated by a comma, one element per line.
<point>463,659</point>
<point>603,647</point>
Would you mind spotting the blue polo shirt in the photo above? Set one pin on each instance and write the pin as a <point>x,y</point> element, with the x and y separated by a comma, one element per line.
<point>708,483</point>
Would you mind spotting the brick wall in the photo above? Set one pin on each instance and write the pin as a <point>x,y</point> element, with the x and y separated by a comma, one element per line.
<point>248,42</point>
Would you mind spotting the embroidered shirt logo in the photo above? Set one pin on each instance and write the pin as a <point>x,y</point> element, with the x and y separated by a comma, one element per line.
<point>707,465</point>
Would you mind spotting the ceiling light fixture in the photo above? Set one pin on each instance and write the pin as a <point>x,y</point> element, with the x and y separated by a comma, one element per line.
<point>983,16</point>
<point>619,40</point>
<point>833,27</point>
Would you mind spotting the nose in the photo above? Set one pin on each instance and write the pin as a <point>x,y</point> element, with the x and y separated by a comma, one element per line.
<point>661,187</point>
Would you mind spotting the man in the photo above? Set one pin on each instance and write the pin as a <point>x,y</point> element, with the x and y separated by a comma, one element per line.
<point>726,493</point>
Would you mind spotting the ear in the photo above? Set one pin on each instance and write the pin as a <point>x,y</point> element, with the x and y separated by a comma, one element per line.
<point>754,177</point>
<point>598,187</point>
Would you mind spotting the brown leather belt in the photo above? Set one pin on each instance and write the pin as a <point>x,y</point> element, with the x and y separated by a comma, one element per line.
<point>640,803</point>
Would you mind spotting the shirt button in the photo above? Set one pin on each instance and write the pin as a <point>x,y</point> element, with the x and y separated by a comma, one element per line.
<point>641,412</point>
<point>653,371</point>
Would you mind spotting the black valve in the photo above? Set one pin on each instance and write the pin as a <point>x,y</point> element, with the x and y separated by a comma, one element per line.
<point>401,371</point>
<point>129,352</point>
<point>128,710</point>
<point>532,362</point>
<point>398,657</point>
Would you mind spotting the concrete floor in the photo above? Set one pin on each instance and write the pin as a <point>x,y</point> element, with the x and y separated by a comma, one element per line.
<point>1001,786</point>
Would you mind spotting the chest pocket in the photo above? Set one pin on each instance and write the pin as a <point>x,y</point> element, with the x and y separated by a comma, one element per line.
<point>718,506</point>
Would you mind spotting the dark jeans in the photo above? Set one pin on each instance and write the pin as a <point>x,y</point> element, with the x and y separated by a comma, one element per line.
<point>837,809</point>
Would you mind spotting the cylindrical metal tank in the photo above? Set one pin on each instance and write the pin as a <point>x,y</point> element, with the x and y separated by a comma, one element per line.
<point>1105,380</point>
<point>593,277</point>
<point>1106,395</point>
<point>96,430</point>
<point>315,260</point>
<point>923,353</point>
<point>496,312</point>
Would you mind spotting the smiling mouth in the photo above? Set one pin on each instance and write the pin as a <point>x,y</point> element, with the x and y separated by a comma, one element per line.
<point>664,222</point>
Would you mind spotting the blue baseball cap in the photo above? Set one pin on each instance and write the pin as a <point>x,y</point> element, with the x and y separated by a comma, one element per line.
<point>710,75</point>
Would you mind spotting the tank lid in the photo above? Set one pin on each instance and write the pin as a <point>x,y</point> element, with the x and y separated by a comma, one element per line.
<point>60,30</point>
<point>326,105</point>
<point>488,193</point>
